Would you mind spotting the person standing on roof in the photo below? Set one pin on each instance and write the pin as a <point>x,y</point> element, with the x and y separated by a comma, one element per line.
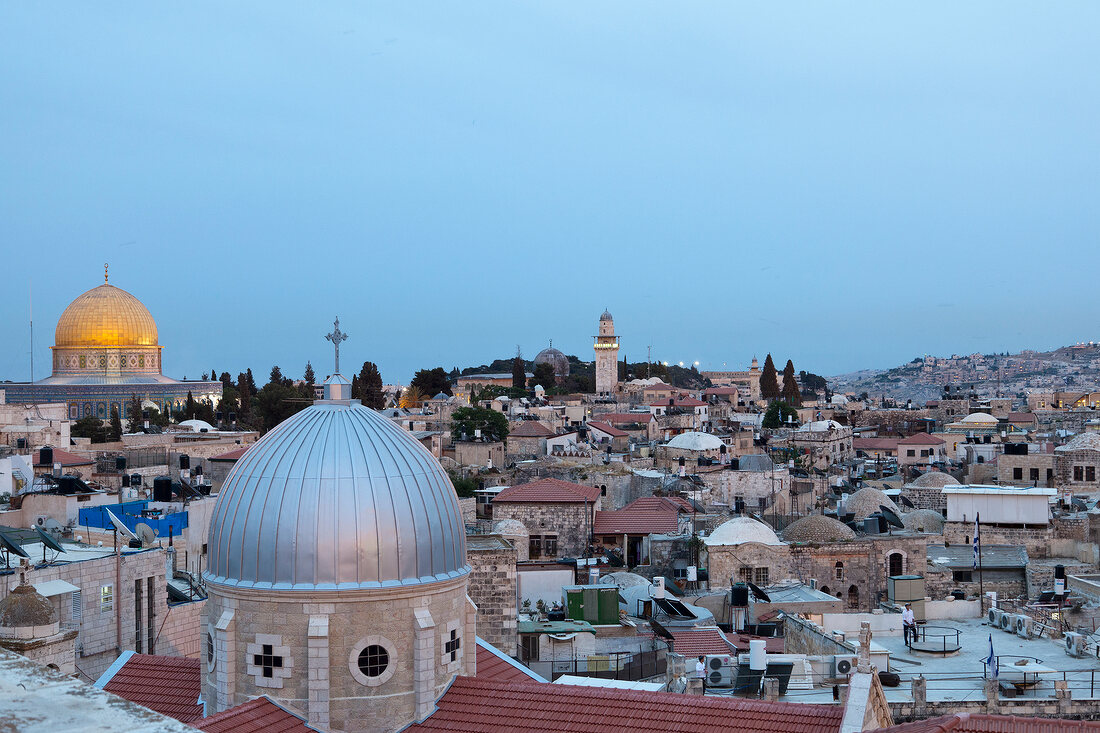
<point>908,625</point>
<point>701,670</point>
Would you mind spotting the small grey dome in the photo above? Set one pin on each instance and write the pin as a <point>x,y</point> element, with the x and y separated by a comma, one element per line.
<point>24,606</point>
<point>817,528</point>
<point>556,359</point>
<point>924,520</point>
<point>606,316</point>
<point>934,479</point>
<point>866,502</point>
<point>336,497</point>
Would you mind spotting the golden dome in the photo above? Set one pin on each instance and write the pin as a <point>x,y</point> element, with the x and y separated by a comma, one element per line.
<point>106,316</point>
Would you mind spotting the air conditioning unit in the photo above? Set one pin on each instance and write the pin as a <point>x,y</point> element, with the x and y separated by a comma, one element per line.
<point>1006,622</point>
<point>721,670</point>
<point>41,521</point>
<point>844,665</point>
<point>994,616</point>
<point>1022,625</point>
<point>1075,644</point>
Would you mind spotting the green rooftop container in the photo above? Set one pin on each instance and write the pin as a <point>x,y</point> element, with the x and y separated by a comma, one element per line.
<point>596,604</point>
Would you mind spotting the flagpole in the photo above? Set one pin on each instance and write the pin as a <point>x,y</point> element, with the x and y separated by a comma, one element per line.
<point>981,581</point>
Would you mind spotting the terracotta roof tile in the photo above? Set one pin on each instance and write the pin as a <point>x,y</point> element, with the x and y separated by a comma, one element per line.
<point>921,439</point>
<point>548,491</point>
<point>231,455</point>
<point>65,458</point>
<point>493,666</point>
<point>531,429</point>
<point>166,685</point>
<point>605,428</point>
<point>625,418</point>
<point>706,640</point>
<point>472,705</point>
<point>255,716</point>
<point>875,443</point>
<point>982,723</point>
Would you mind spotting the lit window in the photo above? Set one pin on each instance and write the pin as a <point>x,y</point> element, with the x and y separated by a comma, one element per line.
<point>106,598</point>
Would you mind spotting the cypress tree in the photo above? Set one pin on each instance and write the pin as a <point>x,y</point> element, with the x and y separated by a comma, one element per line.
<point>792,395</point>
<point>519,374</point>
<point>769,381</point>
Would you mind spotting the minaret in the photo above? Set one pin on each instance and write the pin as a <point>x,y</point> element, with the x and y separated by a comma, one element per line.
<point>607,356</point>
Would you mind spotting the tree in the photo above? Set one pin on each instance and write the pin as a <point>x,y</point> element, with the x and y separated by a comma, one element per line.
<point>309,377</point>
<point>278,400</point>
<point>519,374</point>
<point>778,414</point>
<point>466,420</point>
<point>544,375</point>
<point>189,407</point>
<point>431,381</point>
<point>411,398</point>
<point>135,423</point>
<point>90,427</point>
<point>464,485</point>
<point>114,428</point>
<point>792,395</point>
<point>769,383</point>
<point>367,386</point>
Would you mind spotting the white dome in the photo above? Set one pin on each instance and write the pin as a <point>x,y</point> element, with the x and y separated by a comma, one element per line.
<point>197,426</point>
<point>336,497</point>
<point>696,441</point>
<point>740,530</point>
<point>979,417</point>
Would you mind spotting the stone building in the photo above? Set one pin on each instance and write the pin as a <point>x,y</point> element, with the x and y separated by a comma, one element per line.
<point>696,448</point>
<point>824,442</point>
<point>1020,465</point>
<point>558,515</point>
<point>338,573</point>
<point>1077,463</point>
<point>756,485</point>
<point>921,451</point>
<point>926,490</point>
<point>747,381</point>
<point>492,588</point>
<point>527,439</point>
<point>29,625</point>
<point>606,347</point>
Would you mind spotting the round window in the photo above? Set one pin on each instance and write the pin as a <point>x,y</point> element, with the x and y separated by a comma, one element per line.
<point>374,660</point>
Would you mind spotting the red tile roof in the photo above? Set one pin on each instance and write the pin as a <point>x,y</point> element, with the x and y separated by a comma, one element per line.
<point>721,390</point>
<point>472,705</point>
<point>623,418</point>
<point>605,428</point>
<point>548,491</point>
<point>494,667</point>
<point>1021,417</point>
<point>232,455</point>
<point>982,723</point>
<point>660,387</point>
<point>875,443</point>
<point>255,716</point>
<point>65,458</point>
<point>166,685</point>
<point>531,429</point>
<point>921,439</point>
<point>706,640</point>
<point>647,515</point>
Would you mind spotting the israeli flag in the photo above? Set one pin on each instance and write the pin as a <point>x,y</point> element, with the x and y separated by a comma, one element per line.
<point>977,535</point>
<point>991,660</point>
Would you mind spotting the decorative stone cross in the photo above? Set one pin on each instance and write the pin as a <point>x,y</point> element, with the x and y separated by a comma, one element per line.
<point>267,661</point>
<point>336,337</point>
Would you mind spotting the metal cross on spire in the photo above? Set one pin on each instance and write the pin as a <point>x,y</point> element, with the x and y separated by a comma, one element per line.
<point>336,337</point>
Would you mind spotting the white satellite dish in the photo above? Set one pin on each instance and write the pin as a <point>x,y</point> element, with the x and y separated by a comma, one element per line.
<point>122,528</point>
<point>146,533</point>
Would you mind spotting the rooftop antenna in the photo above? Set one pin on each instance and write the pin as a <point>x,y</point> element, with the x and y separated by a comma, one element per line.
<point>336,337</point>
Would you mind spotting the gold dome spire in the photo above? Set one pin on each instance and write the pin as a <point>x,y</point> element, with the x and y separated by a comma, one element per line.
<point>106,316</point>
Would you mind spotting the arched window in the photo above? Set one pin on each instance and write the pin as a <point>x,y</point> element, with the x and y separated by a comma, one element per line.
<point>853,597</point>
<point>895,563</point>
<point>839,570</point>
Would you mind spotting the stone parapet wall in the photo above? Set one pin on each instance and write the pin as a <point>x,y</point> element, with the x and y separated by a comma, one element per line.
<point>492,588</point>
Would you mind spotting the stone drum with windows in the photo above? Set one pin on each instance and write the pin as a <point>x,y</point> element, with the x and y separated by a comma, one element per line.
<point>337,578</point>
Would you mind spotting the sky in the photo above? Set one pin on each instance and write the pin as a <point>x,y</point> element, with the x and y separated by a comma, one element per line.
<point>848,185</point>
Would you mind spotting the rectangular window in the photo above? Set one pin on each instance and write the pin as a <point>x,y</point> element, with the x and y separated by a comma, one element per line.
<point>910,453</point>
<point>106,598</point>
<point>78,606</point>
<point>924,454</point>
<point>1078,473</point>
<point>745,575</point>
<point>150,626</point>
<point>962,576</point>
<point>529,647</point>
<point>137,615</point>
<point>1050,474</point>
<point>1034,474</point>
<point>1090,473</point>
<point>1017,473</point>
<point>550,545</point>
<point>535,546</point>
<point>761,576</point>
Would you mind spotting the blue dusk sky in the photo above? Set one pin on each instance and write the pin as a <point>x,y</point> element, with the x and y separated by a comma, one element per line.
<point>849,185</point>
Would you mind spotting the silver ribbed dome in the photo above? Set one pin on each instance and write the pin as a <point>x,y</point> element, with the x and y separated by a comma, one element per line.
<point>336,497</point>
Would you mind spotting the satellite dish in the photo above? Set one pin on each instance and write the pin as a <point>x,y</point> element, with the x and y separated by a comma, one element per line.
<point>47,539</point>
<point>905,500</point>
<point>758,592</point>
<point>145,533</point>
<point>12,547</point>
<point>122,528</point>
<point>891,517</point>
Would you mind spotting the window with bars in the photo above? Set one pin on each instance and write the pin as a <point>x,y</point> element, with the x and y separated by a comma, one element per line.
<point>761,576</point>
<point>451,646</point>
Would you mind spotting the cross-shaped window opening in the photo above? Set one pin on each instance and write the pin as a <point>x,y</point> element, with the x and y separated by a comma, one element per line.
<point>268,661</point>
<point>452,645</point>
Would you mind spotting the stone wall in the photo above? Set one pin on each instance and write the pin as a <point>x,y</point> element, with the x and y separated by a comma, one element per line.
<point>1061,705</point>
<point>802,637</point>
<point>926,497</point>
<point>1042,463</point>
<point>1037,540</point>
<point>1064,463</point>
<point>180,634</point>
<point>568,521</point>
<point>492,588</point>
<point>1007,583</point>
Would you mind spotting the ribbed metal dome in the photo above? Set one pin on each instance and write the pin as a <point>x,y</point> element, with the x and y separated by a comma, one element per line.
<point>336,497</point>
